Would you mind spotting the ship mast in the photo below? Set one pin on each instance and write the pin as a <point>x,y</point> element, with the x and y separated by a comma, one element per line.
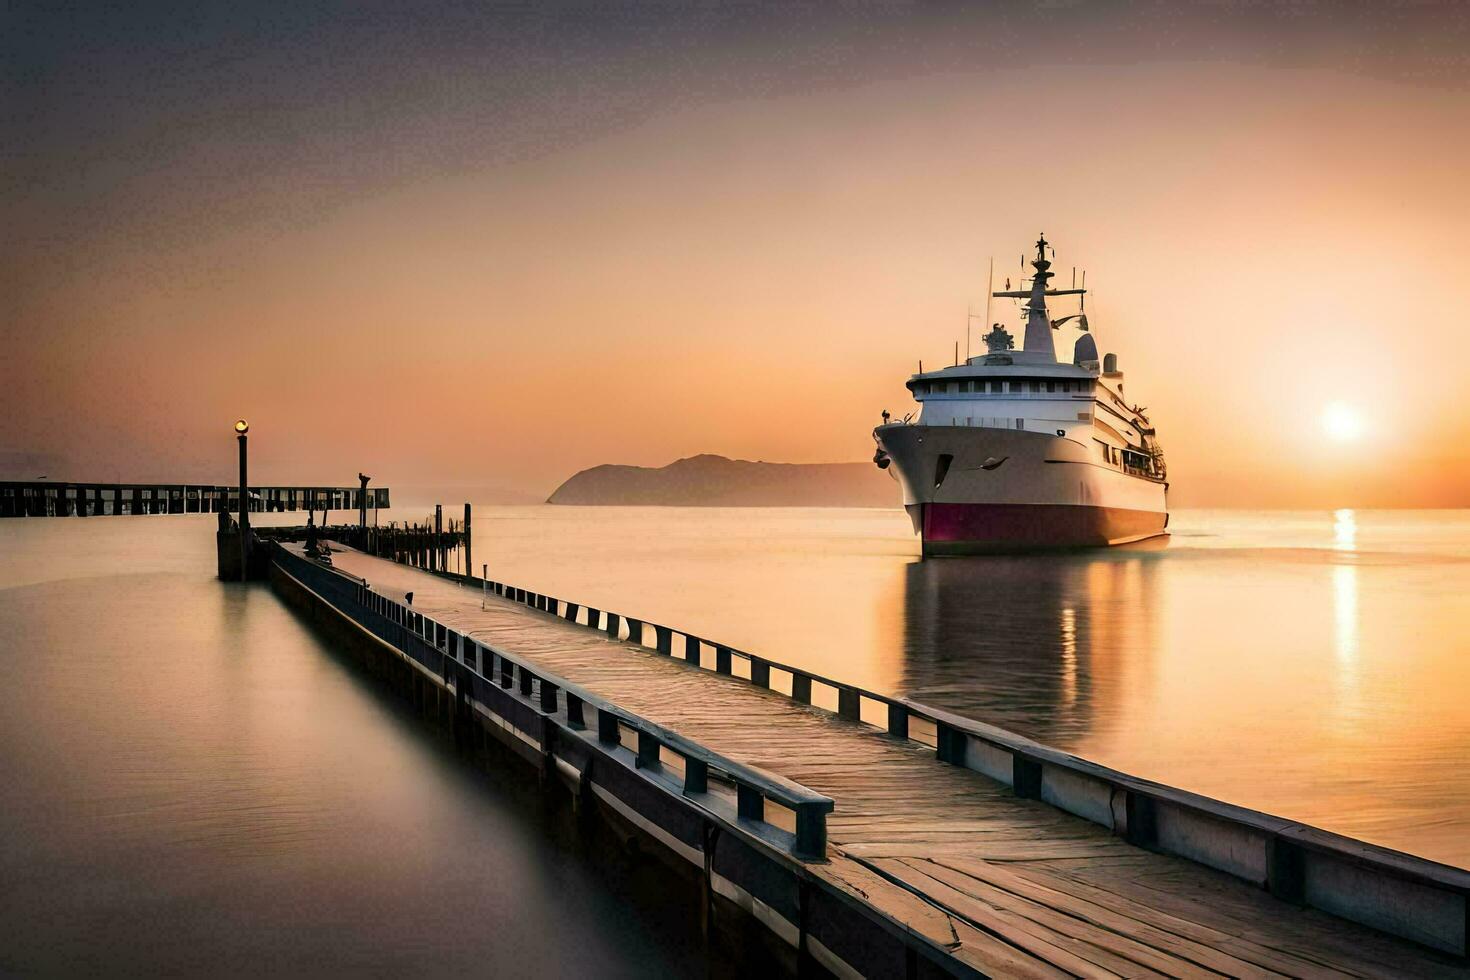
<point>1038,323</point>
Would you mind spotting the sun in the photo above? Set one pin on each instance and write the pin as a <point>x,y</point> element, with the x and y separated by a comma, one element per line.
<point>1342,422</point>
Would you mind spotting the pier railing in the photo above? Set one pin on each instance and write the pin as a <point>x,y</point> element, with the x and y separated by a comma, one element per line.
<point>1388,890</point>
<point>57,499</point>
<point>783,813</point>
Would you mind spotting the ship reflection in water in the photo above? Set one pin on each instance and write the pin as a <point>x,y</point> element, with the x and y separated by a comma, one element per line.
<point>1313,666</point>
<point>1028,642</point>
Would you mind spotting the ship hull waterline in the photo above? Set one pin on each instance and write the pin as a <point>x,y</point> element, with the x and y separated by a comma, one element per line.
<point>979,529</point>
<point>973,490</point>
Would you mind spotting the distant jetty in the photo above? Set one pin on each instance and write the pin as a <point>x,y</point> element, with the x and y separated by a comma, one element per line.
<point>714,481</point>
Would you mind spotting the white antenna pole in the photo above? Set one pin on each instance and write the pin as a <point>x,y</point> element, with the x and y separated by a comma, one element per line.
<point>969,320</point>
<point>989,288</point>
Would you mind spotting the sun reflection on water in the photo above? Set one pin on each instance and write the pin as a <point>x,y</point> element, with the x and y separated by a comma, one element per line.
<point>1345,611</point>
<point>1069,656</point>
<point>1344,530</point>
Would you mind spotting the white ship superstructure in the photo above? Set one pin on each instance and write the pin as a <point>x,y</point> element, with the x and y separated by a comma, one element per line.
<point>1013,449</point>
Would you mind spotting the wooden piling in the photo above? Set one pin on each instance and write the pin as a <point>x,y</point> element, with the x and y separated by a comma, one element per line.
<point>469,555</point>
<point>437,555</point>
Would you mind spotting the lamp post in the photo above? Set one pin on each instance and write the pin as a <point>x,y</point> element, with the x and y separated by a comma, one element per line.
<point>241,428</point>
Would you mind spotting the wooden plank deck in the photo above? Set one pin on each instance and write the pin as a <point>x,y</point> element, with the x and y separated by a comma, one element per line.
<point>1011,886</point>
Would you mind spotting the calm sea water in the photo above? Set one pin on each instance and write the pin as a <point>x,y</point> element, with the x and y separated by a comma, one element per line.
<point>194,785</point>
<point>193,781</point>
<point>1314,665</point>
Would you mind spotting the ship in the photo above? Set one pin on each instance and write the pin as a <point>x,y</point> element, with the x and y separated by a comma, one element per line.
<point>1014,450</point>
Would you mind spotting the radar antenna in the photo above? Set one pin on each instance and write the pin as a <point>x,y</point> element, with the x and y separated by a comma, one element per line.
<point>1038,325</point>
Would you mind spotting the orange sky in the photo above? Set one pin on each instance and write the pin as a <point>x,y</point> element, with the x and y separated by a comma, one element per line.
<point>751,270</point>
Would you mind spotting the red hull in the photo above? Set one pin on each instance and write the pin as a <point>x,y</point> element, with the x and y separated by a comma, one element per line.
<point>958,529</point>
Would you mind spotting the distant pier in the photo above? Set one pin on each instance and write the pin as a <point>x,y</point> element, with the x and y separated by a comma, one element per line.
<point>41,498</point>
<point>874,835</point>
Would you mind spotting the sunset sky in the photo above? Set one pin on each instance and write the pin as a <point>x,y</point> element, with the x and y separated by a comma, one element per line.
<point>476,245</point>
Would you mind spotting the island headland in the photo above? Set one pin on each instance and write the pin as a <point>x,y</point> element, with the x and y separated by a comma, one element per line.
<point>708,480</point>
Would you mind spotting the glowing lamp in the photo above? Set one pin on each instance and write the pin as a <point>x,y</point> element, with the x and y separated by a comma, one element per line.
<point>241,426</point>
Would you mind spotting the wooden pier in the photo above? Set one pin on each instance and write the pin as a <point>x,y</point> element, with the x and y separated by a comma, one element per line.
<point>48,499</point>
<point>881,837</point>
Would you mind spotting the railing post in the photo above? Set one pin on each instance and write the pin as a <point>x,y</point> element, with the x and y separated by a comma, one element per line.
<point>722,659</point>
<point>750,804</point>
<point>574,712</point>
<point>696,775</point>
<point>612,625</point>
<point>691,649</point>
<point>1285,875</point>
<point>548,697</point>
<point>898,720</point>
<point>635,630</point>
<point>801,687</point>
<point>850,703</point>
<point>1142,817</point>
<point>526,677</point>
<point>571,610</point>
<point>647,750</point>
<point>760,673</point>
<point>607,727</point>
<point>811,830</point>
<point>594,617</point>
<point>949,744</point>
<point>1025,777</point>
<point>507,673</point>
